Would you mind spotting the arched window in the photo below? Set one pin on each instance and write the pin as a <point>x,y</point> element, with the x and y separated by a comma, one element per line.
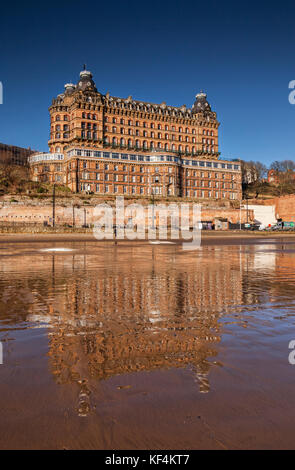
<point>83,116</point>
<point>122,141</point>
<point>114,129</point>
<point>114,141</point>
<point>57,118</point>
<point>121,121</point>
<point>57,128</point>
<point>145,144</point>
<point>166,136</point>
<point>159,135</point>
<point>122,130</point>
<point>194,150</point>
<point>152,135</point>
<point>89,116</point>
<point>129,143</point>
<point>173,147</point>
<point>187,149</point>
<point>166,147</point>
<point>152,144</point>
<point>137,144</point>
<point>180,129</point>
<point>180,148</point>
<point>88,135</point>
<point>159,126</point>
<point>94,117</point>
<point>58,135</point>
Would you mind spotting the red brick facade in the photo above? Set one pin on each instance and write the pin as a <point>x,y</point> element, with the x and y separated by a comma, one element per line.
<point>109,145</point>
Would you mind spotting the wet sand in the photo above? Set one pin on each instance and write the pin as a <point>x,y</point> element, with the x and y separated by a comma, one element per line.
<point>139,346</point>
<point>216,236</point>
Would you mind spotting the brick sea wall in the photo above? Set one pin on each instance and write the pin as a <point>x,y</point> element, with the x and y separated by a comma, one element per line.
<point>38,212</point>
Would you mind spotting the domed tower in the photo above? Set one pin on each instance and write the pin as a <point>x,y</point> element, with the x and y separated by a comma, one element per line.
<point>86,83</point>
<point>201,104</point>
<point>69,89</point>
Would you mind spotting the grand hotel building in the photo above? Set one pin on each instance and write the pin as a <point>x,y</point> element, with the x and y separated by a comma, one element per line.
<point>107,145</point>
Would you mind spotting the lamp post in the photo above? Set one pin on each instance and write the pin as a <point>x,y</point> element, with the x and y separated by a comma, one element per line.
<point>84,217</point>
<point>73,215</point>
<point>53,206</point>
<point>240,215</point>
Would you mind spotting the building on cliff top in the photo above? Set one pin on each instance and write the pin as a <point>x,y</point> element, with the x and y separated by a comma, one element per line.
<point>108,145</point>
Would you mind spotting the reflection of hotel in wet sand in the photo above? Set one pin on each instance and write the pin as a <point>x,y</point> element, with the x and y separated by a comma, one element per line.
<point>132,308</point>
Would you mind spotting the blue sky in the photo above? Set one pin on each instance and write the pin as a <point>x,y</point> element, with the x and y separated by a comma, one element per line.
<point>240,53</point>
